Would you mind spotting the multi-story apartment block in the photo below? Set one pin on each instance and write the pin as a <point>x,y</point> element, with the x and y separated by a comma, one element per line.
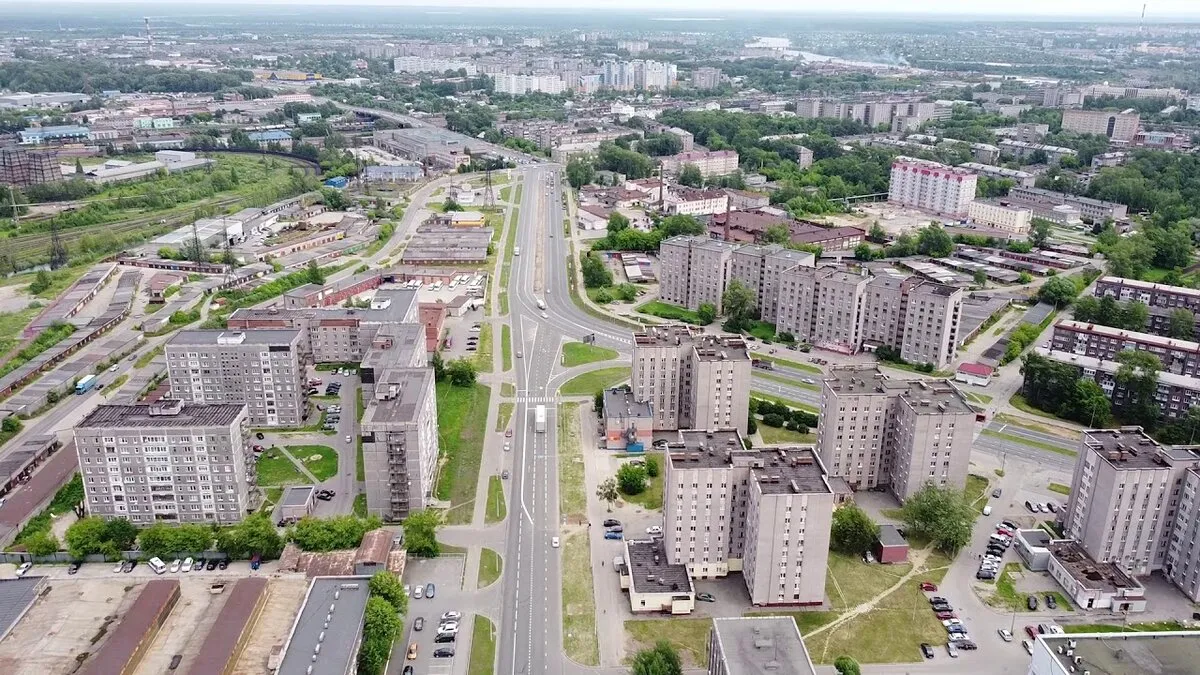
<point>1182,563</point>
<point>1061,97</point>
<point>22,167</point>
<point>1024,150</point>
<point>874,431</point>
<point>1032,132</point>
<point>421,64</point>
<point>709,162</point>
<point>694,270</point>
<point>1181,357</point>
<point>1001,215</point>
<point>1176,394</point>
<point>759,268</point>
<point>639,74</point>
<point>1000,172</point>
<point>768,644</point>
<point>1041,201</point>
<point>519,85</point>
<point>931,186</point>
<point>911,113</point>
<point>706,78</point>
<point>1119,126</point>
<point>686,139</point>
<point>692,380</point>
<point>262,369</point>
<point>1161,299</point>
<point>695,202</point>
<point>400,442</point>
<point>765,512</point>
<point>169,461</point>
<point>931,318</point>
<point>837,299</point>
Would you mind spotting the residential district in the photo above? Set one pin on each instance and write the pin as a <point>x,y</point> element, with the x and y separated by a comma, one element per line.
<point>340,339</point>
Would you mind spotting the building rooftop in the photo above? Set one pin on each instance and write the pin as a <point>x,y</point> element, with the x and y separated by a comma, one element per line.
<point>721,348</point>
<point>1128,335</point>
<point>1147,286</point>
<point>769,645</point>
<point>220,646</point>
<point>1158,653</point>
<point>704,449</point>
<point>934,397</point>
<point>1124,448</point>
<point>116,654</point>
<point>163,414</point>
<point>650,571</point>
<point>789,471</point>
<point>343,600</point>
<point>889,535</point>
<point>297,495</point>
<point>620,403</point>
<point>1103,577</point>
<point>1111,367</point>
<point>16,595</point>
<point>665,336</point>
<point>217,336</point>
<point>398,395</point>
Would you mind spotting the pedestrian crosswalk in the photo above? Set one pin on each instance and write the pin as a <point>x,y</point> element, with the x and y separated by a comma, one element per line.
<point>537,399</point>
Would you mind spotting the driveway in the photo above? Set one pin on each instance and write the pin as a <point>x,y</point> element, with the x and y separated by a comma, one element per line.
<point>446,574</point>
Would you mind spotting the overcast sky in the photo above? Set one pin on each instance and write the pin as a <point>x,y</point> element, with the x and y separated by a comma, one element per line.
<point>1078,9</point>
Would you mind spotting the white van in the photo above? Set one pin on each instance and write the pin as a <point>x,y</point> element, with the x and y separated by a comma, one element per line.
<point>987,509</point>
<point>157,565</point>
<point>516,250</point>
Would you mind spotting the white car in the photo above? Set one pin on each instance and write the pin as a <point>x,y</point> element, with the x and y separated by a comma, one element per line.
<point>951,622</point>
<point>419,592</point>
<point>545,315</point>
<point>654,529</point>
<point>554,542</point>
<point>113,369</point>
<point>349,439</point>
<point>448,627</point>
<point>451,616</point>
<point>1005,635</point>
<point>24,568</point>
<point>187,565</point>
<point>175,565</point>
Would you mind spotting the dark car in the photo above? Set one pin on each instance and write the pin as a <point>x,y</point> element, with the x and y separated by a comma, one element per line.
<point>128,566</point>
<point>429,589</point>
<point>1032,603</point>
<point>967,645</point>
<point>613,535</point>
<point>212,565</point>
<point>983,575</point>
<point>936,600</point>
<point>995,493</point>
<point>73,568</point>
<point>408,670</point>
<point>1051,602</point>
<point>443,638</point>
<point>1009,524</point>
<point>927,650</point>
<point>259,436</point>
<point>419,623</point>
<point>942,616</point>
<point>198,566</point>
<point>443,653</point>
<point>223,564</point>
<point>609,522</point>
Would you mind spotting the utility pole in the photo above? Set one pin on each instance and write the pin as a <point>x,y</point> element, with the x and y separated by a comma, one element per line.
<point>58,250</point>
<point>489,198</point>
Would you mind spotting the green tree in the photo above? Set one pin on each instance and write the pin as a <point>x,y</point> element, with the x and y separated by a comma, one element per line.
<point>606,492</point>
<point>1135,315</point>
<point>877,235</point>
<point>690,176</point>
<point>439,366</point>
<point>86,536</point>
<point>314,274</point>
<point>580,171</point>
<point>461,373</point>
<point>254,535</point>
<point>707,313</point>
<point>333,199</point>
<point>1057,291</point>
<point>776,234</point>
<point>331,534</point>
<point>1137,375</point>
<point>864,252</point>
<point>595,273</point>
<point>1088,404</point>
<point>672,226</point>
<point>617,222</point>
<point>846,666</point>
<point>381,625</point>
<point>41,282</point>
<point>10,425</point>
<point>41,543</point>
<point>632,479</point>
<point>1182,324</point>
<point>1039,232</point>
<point>662,659</point>
<point>738,302</point>
<point>935,242</point>
<point>853,531</point>
<point>1024,278</point>
<point>386,585</point>
<point>120,533</point>
<point>420,533</point>
<point>980,277</point>
<point>940,514</point>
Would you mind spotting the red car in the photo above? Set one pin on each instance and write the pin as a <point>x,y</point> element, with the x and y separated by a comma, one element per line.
<point>928,587</point>
<point>942,616</point>
<point>508,433</point>
<point>1032,632</point>
<point>1003,531</point>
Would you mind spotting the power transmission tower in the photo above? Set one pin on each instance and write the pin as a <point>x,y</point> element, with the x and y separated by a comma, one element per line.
<point>197,247</point>
<point>227,257</point>
<point>489,197</point>
<point>58,250</point>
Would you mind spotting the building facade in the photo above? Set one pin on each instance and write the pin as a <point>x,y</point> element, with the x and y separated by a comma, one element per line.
<point>709,162</point>
<point>1119,126</point>
<point>930,186</point>
<point>694,271</point>
<point>1000,215</point>
<point>1042,202</point>
<point>692,380</point>
<point>169,461</point>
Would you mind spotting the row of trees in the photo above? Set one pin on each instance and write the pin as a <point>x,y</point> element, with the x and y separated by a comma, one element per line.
<point>95,75</point>
<point>1057,388</point>
<point>382,622</point>
<point>622,237</point>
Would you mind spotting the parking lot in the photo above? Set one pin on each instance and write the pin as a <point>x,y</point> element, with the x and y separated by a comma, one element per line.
<point>446,575</point>
<point>460,331</point>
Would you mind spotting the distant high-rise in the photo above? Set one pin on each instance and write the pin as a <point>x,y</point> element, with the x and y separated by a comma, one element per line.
<point>22,168</point>
<point>706,78</point>
<point>930,186</point>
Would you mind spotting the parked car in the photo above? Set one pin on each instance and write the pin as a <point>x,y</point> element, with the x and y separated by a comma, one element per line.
<point>419,592</point>
<point>1008,524</point>
<point>996,493</point>
<point>25,566</point>
<point>429,589</point>
<point>951,650</point>
<point>611,522</point>
<point>1029,505</point>
<point>412,652</point>
<point>616,528</point>
<point>198,565</point>
<point>223,564</point>
<point>937,600</point>
<point>73,567</point>
<point>451,616</point>
<point>175,565</point>
<point>120,567</point>
<point>967,645</point>
<point>928,587</point>
<point>1051,507</point>
<point>1005,635</point>
<point>212,565</point>
<point>946,615</point>
<point>1051,602</point>
<point>706,597</point>
<point>1032,603</point>
<point>443,653</point>
<point>508,433</point>
<point>927,650</point>
<point>613,535</point>
<point>1028,645</point>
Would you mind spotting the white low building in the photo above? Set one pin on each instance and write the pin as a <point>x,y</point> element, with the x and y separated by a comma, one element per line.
<point>1000,215</point>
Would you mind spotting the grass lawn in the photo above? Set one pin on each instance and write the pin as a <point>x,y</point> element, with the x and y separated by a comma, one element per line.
<point>572,495</point>
<point>577,354</point>
<point>779,435</point>
<point>665,310</point>
<point>483,647</point>
<point>1059,488</point>
<point>1146,627</point>
<point>1007,597</point>
<point>145,359</point>
<point>274,468</point>
<point>891,633</point>
<point>851,582</point>
<point>1018,401</point>
<point>320,460</point>
<point>503,303</point>
<point>652,497</point>
<point>462,421</point>
<point>490,566</point>
<point>588,384</point>
<point>64,500</point>
<point>506,347</point>
<point>763,330</point>
<point>976,492</point>
<point>271,497</point>
<point>360,470</point>
<point>504,415</point>
<point>508,389</point>
<point>784,401</point>
<point>483,357</point>
<point>359,406</point>
<point>784,379</point>
<point>360,505</point>
<point>978,398</point>
<point>496,510</point>
<point>688,636</point>
<point>579,605</point>
<point>1023,440</point>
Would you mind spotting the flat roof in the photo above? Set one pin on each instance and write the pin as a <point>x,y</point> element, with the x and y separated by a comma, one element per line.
<point>21,503</point>
<point>16,595</point>
<point>1079,360</point>
<point>1132,336</point>
<point>705,448</point>
<point>1146,286</point>
<point>789,471</point>
<point>297,495</point>
<point>1157,653</point>
<point>768,645</point>
<point>934,397</point>
<point>650,571</point>
<point>1092,575</point>
<point>664,336</point>
<point>347,596</point>
<point>411,386</point>
<point>226,337</point>
<point>889,535</point>
<point>142,618</point>
<point>139,416</point>
<point>220,645</point>
<point>621,403</point>
<point>1124,447</point>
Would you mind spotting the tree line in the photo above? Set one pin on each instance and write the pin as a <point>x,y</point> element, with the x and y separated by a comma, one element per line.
<point>96,75</point>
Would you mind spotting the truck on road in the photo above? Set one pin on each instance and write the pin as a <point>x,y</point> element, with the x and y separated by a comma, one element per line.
<point>85,384</point>
<point>539,419</point>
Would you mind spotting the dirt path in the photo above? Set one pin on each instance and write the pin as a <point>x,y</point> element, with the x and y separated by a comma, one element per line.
<point>919,558</point>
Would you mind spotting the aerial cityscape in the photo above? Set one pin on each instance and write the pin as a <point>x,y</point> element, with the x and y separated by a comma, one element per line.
<point>357,338</point>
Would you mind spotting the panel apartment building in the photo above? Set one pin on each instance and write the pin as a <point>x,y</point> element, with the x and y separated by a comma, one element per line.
<point>764,512</point>
<point>168,461</point>
<point>1176,394</point>
<point>692,380</point>
<point>930,186</point>
<point>1134,504</point>
<point>1160,299</point>
<point>709,162</point>
<point>1181,357</point>
<point>694,270</point>
<point>400,442</point>
<point>1119,126</point>
<point>262,369</point>
<point>1043,202</point>
<point>842,311</point>
<point>759,268</point>
<point>897,114</point>
<point>877,432</point>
